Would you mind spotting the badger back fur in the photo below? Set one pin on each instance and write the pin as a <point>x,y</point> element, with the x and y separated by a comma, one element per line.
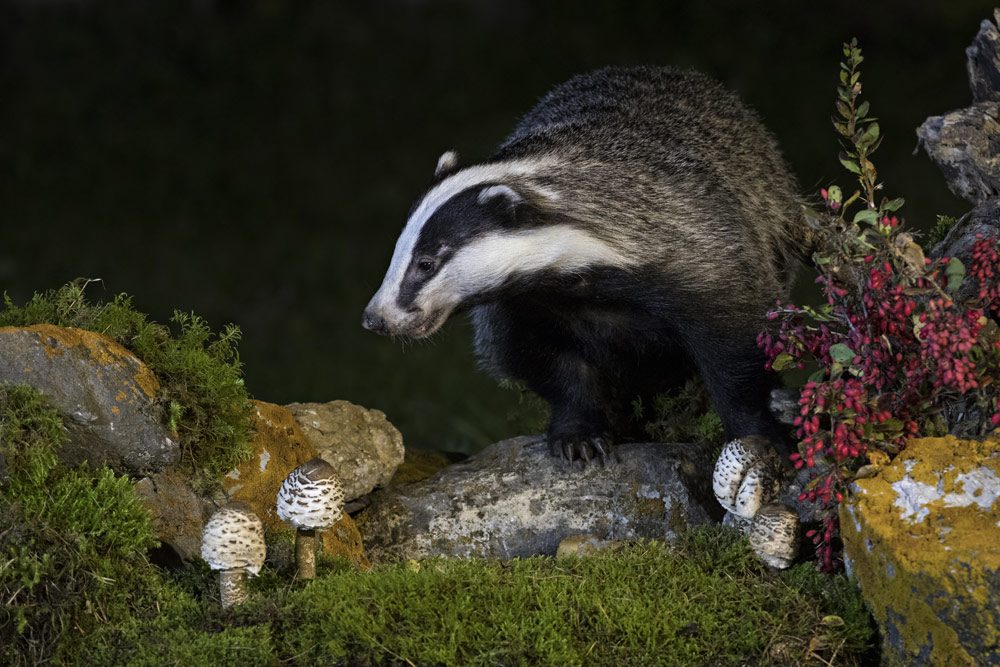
<point>635,225</point>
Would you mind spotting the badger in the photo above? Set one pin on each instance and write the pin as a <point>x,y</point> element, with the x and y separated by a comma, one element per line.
<point>632,230</point>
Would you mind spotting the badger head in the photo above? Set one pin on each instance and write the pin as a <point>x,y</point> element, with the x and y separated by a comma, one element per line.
<point>476,232</point>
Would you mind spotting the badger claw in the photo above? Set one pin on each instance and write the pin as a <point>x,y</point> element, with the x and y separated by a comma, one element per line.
<point>582,448</point>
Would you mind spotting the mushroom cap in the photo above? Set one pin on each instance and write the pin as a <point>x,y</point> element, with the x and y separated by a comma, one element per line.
<point>311,496</point>
<point>234,538</point>
<point>746,475</point>
<point>774,535</point>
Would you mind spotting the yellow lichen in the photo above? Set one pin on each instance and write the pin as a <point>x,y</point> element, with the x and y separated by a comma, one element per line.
<point>278,447</point>
<point>921,578</point>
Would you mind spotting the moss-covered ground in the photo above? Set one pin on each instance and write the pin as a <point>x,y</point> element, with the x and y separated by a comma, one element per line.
<point>77,588</point>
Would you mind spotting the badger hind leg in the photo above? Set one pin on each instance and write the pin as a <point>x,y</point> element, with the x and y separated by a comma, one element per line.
<point>732,368</point>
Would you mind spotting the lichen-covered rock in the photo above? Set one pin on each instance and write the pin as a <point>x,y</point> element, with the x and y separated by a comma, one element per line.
<point>179,512</point>
<point>279,446</point>
<point>362,445</point>
<point>983,61</point>
<point>514,499</point>
<point>963,144</point>
<point>923,539</point>
<point>106,394</point>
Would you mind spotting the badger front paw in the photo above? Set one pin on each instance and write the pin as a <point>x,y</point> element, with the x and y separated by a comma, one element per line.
<point>747,476</point>
<point>585,448</point>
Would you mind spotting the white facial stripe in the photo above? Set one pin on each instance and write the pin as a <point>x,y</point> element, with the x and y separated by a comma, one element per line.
<point>489,261</point>
<point>434,199</point>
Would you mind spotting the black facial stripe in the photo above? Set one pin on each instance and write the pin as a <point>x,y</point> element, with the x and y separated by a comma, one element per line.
<point>453,225</point>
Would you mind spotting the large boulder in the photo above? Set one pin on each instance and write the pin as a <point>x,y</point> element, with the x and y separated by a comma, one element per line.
<point>923,540</point>
<point>106,394</point>
<point>513,500</point>
<point>361,444</point>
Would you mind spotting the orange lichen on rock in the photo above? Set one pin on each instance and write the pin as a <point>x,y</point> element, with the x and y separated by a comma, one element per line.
<point>279,446</point>
<point>55,340</point>
<point>923,540</point>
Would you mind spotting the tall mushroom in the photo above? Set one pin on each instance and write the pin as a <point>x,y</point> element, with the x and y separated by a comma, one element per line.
<point>310,498</point>
<point>232,543</point>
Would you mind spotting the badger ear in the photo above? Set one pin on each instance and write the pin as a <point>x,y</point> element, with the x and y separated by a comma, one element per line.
<point>447,163</point>
<point>500,193</point>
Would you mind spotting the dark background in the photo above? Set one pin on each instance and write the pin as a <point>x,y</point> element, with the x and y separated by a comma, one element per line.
<point>254,162</point>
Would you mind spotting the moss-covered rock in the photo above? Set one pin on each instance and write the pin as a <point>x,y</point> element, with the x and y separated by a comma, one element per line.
<point>106,393</point>
<point>922,539</point>
<point>73,540</point>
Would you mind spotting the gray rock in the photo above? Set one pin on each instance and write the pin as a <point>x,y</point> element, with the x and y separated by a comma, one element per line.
<point>982,221</point>
<point>513,500</point>
<point>362,445</point>
<point>965,145</point>
<point>983,61</point>
<point>177,512</point>
<point>106,394</point>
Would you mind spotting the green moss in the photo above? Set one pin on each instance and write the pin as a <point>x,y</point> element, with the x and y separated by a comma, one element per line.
<point>705,601</point>
<point>200,373</point>
<point>72,541</point>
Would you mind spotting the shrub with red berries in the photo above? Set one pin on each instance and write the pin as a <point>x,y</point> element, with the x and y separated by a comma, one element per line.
<point>895,353</point>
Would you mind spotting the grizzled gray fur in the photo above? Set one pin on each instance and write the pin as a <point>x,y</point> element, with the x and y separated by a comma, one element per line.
<point>633,228</point>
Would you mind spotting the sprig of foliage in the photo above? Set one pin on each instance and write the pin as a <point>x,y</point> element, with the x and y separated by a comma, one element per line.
<point>200,373</point>
<point>895,354</point>
<point>685,415</point>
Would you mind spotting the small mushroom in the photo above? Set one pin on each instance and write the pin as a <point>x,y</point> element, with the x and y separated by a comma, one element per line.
<point>774,535</point>
<point>232,543</point>
<point>746,476</point>
<point>310,498</point>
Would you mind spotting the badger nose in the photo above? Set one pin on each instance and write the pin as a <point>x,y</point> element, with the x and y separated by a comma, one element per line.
<point>374,322</point>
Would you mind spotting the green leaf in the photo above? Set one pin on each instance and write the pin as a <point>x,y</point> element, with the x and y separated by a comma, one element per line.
<point>850,164</point>
<point>893,204</point>
<point>867,137</point>
<point>955,271</point>
<point>842,353</point>
<point>862,110</point>
<point>866,215</point>
<point>782,361</point>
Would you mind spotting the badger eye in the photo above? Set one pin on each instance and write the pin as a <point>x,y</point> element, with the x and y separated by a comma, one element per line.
<point>425,264</point>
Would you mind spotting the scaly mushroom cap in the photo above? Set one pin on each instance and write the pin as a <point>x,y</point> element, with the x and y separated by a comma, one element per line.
<point>311,496</point>
<point>774,535</point>
<point>746,476</point>
<point>234,538</point>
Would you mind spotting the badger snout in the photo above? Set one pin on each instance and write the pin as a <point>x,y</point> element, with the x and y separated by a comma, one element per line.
<point>413,323</point>
<point>374,322</point>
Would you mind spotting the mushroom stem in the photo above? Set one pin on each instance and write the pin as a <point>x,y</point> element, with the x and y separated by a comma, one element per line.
<point>232,588</point>
<point>305,553</point>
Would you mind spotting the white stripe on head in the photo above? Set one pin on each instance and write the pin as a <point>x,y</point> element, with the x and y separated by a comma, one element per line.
<point>429,205</point>
<point>491,260</point>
